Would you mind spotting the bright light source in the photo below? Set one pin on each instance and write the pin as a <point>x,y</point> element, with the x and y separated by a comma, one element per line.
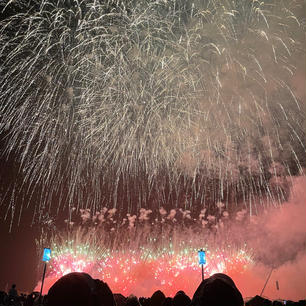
<point>202,257</point>
<point>47,254</point>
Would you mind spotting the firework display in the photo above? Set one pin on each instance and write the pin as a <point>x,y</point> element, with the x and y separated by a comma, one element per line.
<point>149,255</point>
<point>142,272</point>
<point>134,133</point>
<point>133,104</point>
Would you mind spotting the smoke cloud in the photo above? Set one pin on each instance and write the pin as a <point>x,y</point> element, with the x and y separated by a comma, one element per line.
<point>278,238</point>
<point>275,239</point>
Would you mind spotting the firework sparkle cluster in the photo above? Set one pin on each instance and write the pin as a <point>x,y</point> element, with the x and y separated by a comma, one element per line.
<point>133,104</point>
<point>143,253</point>
<point>134,271</point>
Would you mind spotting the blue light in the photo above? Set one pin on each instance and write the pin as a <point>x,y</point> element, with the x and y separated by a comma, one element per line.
<point>202,257</point>
<point>47,254</point>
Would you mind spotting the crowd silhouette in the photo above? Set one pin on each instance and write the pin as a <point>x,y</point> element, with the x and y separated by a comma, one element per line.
<point>80,289</point>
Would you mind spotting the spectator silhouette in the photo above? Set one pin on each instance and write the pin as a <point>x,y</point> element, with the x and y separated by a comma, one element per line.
<point>79,289</point>
<point>132,300</point>
<point>258,301</point>
<point>3,298</point>
<point>30,300</point>
<point>13,292</point>
<point>119,299</point>
<point>144,301</point>
<point>13,295</point>
<point>217,290</point>
<point>181,299</point>
<point>157,298</point>
<point>168,301</point>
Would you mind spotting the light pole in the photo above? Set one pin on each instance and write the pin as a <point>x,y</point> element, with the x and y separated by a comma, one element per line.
<point>46,258</point>
<point>202,261</point>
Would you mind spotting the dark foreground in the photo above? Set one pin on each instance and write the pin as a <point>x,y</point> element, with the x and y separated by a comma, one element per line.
<point>79,289</point>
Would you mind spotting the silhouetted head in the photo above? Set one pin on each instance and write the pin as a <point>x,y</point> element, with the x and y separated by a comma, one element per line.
<point>14,286</point>
<point>181,299</point>
<point>79,289</point>
<point>258,301</point>
<point>217,290</point>
<point>157,298</point>
<point>132,300</point>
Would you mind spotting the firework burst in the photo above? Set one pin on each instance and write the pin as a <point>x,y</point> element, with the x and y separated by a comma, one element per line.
<point>141,265</point>
<point>152,103</point>
<point>142,272</point>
